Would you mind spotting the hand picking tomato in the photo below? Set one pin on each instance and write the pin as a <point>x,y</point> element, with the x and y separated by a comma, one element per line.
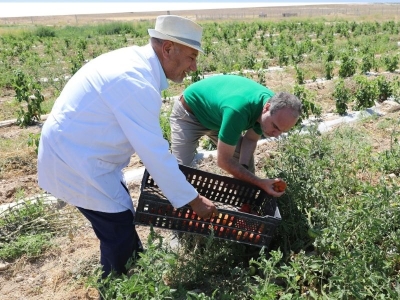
<point>279,186</point>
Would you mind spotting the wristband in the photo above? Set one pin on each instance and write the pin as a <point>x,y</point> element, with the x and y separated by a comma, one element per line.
<point>245,166</point>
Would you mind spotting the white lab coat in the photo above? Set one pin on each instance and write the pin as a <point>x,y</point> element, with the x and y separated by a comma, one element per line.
<point>108,111</point>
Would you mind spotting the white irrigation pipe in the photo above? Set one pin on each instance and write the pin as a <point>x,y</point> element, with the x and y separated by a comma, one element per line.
<point>135,175</point>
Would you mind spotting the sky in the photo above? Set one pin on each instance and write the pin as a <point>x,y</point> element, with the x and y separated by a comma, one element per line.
<point>21,8</point>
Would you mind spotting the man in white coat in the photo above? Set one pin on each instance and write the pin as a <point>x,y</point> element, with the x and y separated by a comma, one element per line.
<point>108,111</point>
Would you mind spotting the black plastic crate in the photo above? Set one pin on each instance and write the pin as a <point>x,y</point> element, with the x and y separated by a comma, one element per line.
<point>228,194</point>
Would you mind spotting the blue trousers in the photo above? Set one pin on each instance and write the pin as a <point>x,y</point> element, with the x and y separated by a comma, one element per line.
<point>119,240</point>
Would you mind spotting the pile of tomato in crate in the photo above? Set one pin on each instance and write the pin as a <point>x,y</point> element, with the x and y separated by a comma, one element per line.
<point>246,214</point>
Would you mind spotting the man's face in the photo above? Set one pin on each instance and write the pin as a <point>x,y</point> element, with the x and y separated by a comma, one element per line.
<point>181,60</point>
<point>281,121</point>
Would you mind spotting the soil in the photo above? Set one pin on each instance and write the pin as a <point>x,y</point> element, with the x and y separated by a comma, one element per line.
<point>60,272</point>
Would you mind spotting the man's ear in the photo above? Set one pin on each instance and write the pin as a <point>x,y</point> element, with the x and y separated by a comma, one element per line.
<point>167,47</point>
<point>266,107</point>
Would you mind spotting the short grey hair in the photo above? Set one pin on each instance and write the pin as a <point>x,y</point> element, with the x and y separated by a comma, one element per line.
<point>154,40</point>
<point>285,100</point>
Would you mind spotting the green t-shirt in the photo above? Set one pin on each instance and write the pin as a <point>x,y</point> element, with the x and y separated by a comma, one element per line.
<point>229,104</point>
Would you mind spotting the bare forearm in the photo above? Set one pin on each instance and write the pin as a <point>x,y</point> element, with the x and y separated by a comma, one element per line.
<point>246,151</point>
<point>238,171</point>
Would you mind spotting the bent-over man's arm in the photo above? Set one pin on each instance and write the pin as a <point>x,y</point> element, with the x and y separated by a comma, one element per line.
<point>249,144</point>
<point>226,161</point>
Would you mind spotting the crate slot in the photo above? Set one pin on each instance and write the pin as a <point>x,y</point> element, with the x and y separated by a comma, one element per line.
<point>229,194</point>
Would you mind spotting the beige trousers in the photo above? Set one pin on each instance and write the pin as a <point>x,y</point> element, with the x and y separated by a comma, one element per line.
<point>186,131</point>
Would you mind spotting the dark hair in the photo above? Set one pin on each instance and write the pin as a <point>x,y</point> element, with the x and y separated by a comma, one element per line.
<point>285,100</point>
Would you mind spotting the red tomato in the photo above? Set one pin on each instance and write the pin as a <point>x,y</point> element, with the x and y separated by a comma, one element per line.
<point>251,236</point>
<point>241,224</point>
<point>279,186</point>
<point>221,231</point>
<point>234,231</point>
<point>245,208</point>
<point>215,229</point>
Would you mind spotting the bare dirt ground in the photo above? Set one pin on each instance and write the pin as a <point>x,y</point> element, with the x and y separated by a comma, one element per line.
<point>59,274</point>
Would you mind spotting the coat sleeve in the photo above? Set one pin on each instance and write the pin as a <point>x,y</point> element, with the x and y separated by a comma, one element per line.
<point>138,113</point>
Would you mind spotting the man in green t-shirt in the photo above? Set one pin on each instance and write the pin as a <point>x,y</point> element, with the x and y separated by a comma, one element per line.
<point>233,111</point>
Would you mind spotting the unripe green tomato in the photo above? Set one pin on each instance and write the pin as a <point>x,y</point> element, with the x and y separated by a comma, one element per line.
<point>252,270</point>
<point>312,233</point>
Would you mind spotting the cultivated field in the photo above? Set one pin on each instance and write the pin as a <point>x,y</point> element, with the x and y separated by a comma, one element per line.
<point>343,11</point>
<point>339,237</point>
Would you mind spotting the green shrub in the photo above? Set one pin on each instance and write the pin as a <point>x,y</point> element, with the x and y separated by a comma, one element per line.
<point>354,218</point>
<point>33,141</point>
<point>391,62</point>
<point>329,70</point>
<point>45,32</point>
<point>27,228</point>
<point>115,28</point>
<point>342,97</point>
<point>366,92</point>
<point>348,66</point>
<point>367,63</point>
<point>299,75</point>
<point>165,126</point>
<point>28,245</point>
<point>384,88</point>
<point>29,96</point>
<point>307,99</point>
